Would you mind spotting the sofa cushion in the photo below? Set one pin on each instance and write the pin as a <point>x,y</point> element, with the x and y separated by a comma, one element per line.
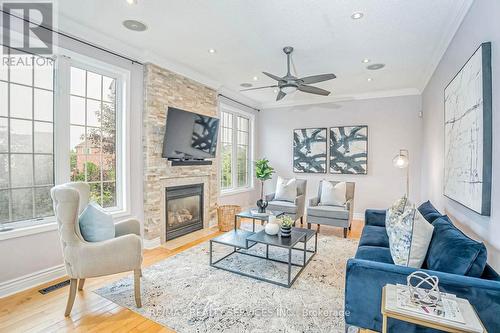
<point>374,253</point>
<point>333,212</point>
<point>283,206</point>
<point>332,195</point>
<point>286,189</point>
<point>429,212</point>
<point>375,217</point>
<point>95,224</point>
<point>451,251</point>
<point>409,238</point>
<point>374,236</point>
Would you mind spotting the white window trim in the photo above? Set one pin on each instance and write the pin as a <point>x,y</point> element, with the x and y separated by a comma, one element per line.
<point>65,58</point>
<point>223,107</point>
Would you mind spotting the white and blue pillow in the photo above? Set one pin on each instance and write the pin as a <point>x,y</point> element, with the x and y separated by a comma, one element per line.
<point>409,235</point>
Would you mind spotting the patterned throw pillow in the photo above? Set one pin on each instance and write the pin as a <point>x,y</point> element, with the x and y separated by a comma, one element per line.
<point>400,204</point>
<point>409,236</point>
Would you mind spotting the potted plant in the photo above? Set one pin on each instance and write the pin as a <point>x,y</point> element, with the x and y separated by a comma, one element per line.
<point>263,172</point>
<point>286,226</point>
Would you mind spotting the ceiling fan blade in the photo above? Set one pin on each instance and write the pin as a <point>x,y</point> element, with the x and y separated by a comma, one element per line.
<point>272,76</point>
<point>317,78</point>
<point>313,90</point>
<point>256,88</point>
<point>280,95</point>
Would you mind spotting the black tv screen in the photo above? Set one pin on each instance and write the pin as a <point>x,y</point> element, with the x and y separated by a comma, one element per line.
<point>189,135</point>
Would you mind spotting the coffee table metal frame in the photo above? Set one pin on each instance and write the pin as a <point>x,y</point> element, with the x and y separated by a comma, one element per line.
<point>249,215</point>
<point>243,240</point>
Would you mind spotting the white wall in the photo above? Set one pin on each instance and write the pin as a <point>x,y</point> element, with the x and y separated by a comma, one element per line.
<point>393,123</point>
<point>480,25</point>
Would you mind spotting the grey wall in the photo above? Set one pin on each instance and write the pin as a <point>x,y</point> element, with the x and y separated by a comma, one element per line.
<point>481,24</point>
<point>393,123</point>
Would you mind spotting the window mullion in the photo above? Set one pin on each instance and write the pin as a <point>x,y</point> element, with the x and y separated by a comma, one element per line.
<point>62,120</point>
<point>234,167</point>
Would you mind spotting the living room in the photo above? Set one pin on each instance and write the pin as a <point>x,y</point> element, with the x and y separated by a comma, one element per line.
<point>235,166</point>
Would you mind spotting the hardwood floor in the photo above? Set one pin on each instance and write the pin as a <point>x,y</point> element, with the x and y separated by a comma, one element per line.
<point>30,311</point>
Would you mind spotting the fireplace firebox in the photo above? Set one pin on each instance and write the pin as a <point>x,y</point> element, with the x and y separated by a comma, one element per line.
<point>184,210</point>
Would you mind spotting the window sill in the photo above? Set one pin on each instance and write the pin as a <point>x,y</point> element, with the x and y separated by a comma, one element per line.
<point>50,224</point>
<point>226,193</point>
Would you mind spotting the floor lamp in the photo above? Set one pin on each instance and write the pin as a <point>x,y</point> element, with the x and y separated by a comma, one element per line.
<point>402,161</point>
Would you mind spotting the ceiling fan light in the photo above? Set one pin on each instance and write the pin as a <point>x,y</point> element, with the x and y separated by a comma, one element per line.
<point>288,89</point>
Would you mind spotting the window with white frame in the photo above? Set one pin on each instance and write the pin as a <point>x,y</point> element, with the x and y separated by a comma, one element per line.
<point>87,106</point>
<point>93,133</point>
<point>26,138</point>
<point>236,148</point>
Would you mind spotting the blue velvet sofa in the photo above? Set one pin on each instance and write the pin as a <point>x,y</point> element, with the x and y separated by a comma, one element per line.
<point>463,271</point>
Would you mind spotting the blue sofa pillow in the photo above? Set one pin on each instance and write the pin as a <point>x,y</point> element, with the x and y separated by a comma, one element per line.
<point>95,224</point>
<point>429,212</point>
<point>453,252</point>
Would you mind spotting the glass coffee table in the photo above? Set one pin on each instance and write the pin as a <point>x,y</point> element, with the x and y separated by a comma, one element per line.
<point>263,218</point>
<point>243,240</point>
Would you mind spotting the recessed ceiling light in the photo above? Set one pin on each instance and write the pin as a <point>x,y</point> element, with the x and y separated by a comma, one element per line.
<point>357,15</point>
<point>134,25</point>
<point>132,2</point>
<point>246,85</point>
<point>374,67</point>
<point>365,61</point>
<point>255,78</point>
<point>275,91</point>
<point>212,51</point>
<point>369,79</point>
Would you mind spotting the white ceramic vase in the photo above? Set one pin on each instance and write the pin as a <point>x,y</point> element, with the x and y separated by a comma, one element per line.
<point>272,227</point>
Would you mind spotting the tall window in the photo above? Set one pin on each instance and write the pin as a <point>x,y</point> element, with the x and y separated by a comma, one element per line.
<point>31,161</point>
<point>93,133</point>
<point>235,150</point>
<point>26,138</point>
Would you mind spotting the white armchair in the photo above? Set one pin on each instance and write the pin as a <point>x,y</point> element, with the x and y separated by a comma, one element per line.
<point>84,259</point>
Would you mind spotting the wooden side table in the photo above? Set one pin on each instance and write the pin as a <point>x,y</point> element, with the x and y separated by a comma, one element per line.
<point>390,310</point>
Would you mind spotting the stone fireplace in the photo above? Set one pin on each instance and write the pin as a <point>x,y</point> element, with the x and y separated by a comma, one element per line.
<point>163,88</point>
<point>184,210</point>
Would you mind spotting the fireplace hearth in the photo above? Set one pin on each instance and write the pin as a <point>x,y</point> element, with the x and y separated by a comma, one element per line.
<point>184,210</point>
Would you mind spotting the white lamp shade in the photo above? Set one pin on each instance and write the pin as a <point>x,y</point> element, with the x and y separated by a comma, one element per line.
<point>400,161</point>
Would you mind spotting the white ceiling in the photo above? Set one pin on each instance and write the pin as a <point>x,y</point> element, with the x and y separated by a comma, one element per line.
<point>409,36</point>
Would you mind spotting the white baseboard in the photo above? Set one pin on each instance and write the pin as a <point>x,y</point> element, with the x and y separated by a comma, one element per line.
<point>31,280</point>
<point>150,244</point>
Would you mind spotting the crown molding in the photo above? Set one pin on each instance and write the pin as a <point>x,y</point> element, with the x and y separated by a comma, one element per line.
<point>345,98</point>
<point>445,41</point>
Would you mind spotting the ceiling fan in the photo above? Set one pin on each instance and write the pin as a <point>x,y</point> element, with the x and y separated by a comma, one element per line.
<point>289,83</point>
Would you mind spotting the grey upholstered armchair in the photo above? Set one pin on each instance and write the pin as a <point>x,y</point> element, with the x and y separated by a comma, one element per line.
<point>337,216</point>
<point>84,259</point>
<point>294,209</point>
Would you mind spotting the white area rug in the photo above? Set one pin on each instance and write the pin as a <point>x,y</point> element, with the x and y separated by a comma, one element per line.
<point>187,295</point>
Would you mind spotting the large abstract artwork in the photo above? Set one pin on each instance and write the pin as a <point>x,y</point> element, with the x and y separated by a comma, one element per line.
<point>467,126</point>
<point>204,136</point>
<point>349,150</point>
<point>309,150</point>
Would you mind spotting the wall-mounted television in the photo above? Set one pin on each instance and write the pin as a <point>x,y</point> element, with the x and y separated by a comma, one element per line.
<point>189,135</point>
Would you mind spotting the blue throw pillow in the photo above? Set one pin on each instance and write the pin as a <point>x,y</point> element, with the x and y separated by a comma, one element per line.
<point>95,224</point>
<point>453,252</point>
<point>429,212</point>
